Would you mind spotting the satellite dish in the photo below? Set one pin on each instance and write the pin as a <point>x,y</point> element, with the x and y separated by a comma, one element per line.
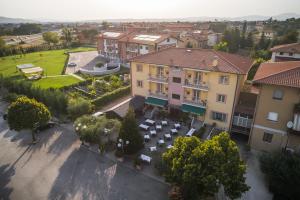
<point>290,124</point>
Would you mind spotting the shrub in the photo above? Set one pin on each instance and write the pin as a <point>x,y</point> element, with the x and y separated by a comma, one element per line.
<point>78,107</point>
<point>200,132</point>
<point>111,96</point>
<point>99,64</point>
<point>119,153</point>
<point>11,97</point>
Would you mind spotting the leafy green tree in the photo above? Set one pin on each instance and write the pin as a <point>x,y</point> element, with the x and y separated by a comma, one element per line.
<point>27,113</point>
<point>283,174</point>
<point>221,46</point>
<point>78,107</point>
<point>27,29</point>
<point>249,40</point>
<point>67,36</point>
<point>130,132</point>
<point>254,68</point>
<point>105,25</point>
<point>290,37</point>
<point>2,43</point>
<point>90,34</point>
<point>51,37</point>
<point>201,168</point>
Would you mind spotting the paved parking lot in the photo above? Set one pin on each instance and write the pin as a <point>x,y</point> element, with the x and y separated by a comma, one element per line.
<point>58,168</point>
<point>82,59</point>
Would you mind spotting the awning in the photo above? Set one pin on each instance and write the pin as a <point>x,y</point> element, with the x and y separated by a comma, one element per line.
<point>193,109</point>
<point>156,102</point>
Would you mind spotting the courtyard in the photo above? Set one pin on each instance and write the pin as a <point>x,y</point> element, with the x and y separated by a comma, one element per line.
<point>58,167</point>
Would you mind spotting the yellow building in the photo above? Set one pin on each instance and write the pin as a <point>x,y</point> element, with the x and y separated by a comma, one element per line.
<point>204,83</point>
<point>276,123</point>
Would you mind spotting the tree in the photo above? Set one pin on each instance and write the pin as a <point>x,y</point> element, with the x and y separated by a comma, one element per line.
<point>221,46</point>
<point>2,43</point>
<point>130,132</point>
<point>27,113</point>
<point>283,174</point>
<point>78,107</point>
<point>290,37</point>
<point>51,37</point>
<point>67,36</point>
<point>249,40</point>
<point>201,168</point>
<point>105,25</point>
<point>90,34</point>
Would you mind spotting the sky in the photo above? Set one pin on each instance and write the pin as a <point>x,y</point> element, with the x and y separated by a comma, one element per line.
<point>121,9</point>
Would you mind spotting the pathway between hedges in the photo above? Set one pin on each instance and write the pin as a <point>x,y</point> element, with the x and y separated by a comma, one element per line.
<point>115,104</point>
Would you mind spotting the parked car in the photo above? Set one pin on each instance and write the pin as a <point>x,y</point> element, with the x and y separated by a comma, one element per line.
<point>72,64</point>
<point>50,124</point>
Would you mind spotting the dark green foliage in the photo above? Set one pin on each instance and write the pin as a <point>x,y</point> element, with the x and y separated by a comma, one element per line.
<point>200,132</point>
<point>283,174</point>
<point>78,107</point>
<point>130,132</point>
<point>27,29</point>
<point>254,68</point>
<point>90,34</point>
<point>99,64</point>
<point>51,37</point>
<point>111,96</point>
<point>289,37</point>
<point>200,168</point>
<point>91,129</point>
<point>221,46</point>
<point>27,113</point>
<point>232,37</point>
<point>56,100</point>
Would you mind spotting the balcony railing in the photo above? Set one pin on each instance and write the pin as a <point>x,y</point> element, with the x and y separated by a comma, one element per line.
<point>158,78</point>
<point>195,102</point>
<point>132,50</point>
<point>196,85</point>
<point>158,95</point>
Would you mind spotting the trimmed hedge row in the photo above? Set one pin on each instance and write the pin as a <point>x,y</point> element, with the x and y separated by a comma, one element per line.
<point>111,96</point>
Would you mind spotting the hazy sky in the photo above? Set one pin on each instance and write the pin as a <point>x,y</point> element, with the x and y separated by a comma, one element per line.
<point>112,9</point>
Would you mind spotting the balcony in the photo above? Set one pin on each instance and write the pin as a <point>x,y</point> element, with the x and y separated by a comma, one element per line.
<point>132,50</point>
<point>195,102</point>
<point>158,95</point>
<point>158,79</point>
<point>198,85</point>
<point>295,125</point>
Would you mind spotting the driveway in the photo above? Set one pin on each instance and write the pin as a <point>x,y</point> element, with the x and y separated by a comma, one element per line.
<point>58,168</point>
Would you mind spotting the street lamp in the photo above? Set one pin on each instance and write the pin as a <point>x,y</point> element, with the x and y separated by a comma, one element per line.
<point>122,144</point>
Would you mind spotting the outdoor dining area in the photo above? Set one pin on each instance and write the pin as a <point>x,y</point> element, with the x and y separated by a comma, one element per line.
<point>159,135</point>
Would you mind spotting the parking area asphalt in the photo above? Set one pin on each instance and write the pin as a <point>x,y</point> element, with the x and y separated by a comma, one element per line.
<point>85,60</point>
<point>57,167</point>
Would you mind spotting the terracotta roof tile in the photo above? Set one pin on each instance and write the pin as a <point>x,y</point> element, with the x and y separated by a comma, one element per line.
<point>288,48</point>
<point>199,59</point>
<point>279,73</point>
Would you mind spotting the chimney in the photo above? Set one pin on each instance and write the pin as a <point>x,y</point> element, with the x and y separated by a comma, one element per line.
<point>215,61</point>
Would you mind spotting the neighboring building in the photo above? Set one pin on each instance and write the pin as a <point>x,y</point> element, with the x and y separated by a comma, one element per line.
<point>202,82</point>
<point>278,106</point>
<point>108,44</point>
<point>134,44</point>
<point>200,39</point>
<point>286,52</point>
<point>124,46</point>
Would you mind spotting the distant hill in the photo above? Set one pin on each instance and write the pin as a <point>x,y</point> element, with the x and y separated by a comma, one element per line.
<point>6,20</point>
<point>280,17</point>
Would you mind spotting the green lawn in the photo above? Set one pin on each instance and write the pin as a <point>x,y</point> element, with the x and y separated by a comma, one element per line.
<point>51,61</point>
<point>56,82</point>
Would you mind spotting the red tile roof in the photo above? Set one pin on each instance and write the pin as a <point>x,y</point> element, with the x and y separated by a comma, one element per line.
<point>204,59</point>
<point>288,48</point>
<point>279,73</point>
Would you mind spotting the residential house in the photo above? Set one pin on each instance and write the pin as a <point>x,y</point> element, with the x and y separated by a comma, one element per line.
<point>286,52</point>
<point>202,82</point>
<point>125,45</point>
<point>276,123</point>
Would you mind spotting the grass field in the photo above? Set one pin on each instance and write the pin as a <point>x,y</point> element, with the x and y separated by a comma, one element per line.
<point>56,82</point>
<point>51,61</point>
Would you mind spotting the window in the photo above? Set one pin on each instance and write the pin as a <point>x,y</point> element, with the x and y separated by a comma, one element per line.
<point>139,84</point>
<point>224,80</point>
<point>176,96</point>
<point>219,116</point>
<point>273,116</point>
<point>139,68</point>
<point>278,94</point>
<point>281,53</point>
<point>168,40</point>
<point>221,98</point>
<point>291,54</point>
<point>147,47</point>
<point>176,80</point>
<point>268,137</point>
<point>141,47</point>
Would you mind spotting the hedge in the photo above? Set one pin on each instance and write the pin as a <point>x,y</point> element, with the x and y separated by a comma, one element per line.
<point>111,96</point>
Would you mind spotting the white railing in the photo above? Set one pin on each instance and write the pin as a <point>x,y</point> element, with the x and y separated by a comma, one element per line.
<point>159,95</point>
<point>195,102</point>
<point>242,121</point>
<point>196,85</point>
<point>158,78</point>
